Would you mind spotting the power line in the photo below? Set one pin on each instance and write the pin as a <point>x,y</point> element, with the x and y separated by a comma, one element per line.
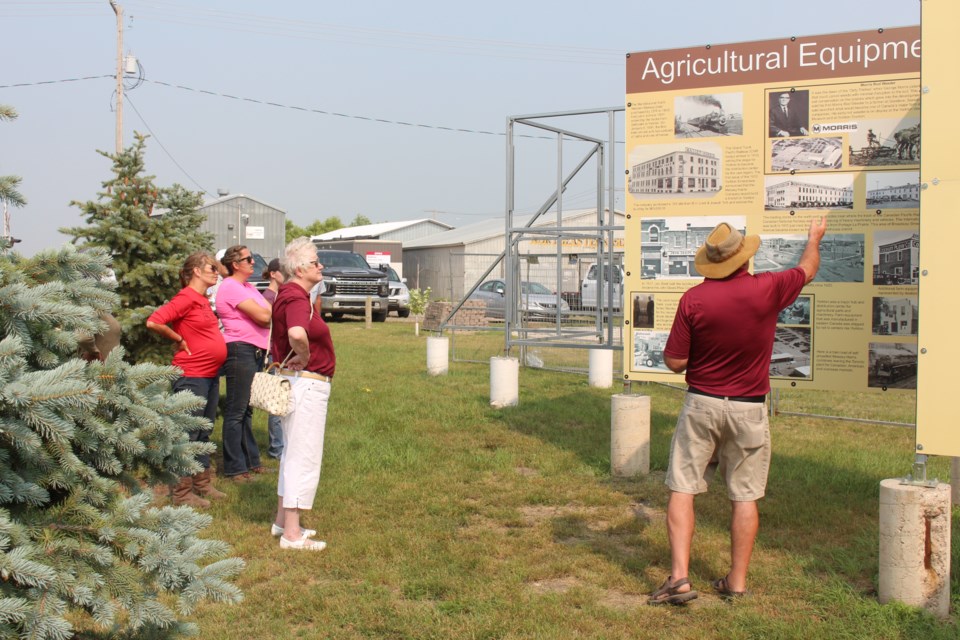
<point>41,82</point>
<point>169,155</point>
<point>278,105</point>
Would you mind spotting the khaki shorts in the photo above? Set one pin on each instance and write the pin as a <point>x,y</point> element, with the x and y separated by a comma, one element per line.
<point>716,435</point>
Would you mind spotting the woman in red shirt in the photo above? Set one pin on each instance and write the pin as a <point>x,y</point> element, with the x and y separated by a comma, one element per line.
<point>188,321</point>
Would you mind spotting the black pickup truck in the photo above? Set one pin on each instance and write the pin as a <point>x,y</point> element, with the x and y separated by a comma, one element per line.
<point>347,283</point>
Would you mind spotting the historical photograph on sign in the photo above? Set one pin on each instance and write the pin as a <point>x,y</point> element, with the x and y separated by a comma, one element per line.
<point>789,113</point>
<point>791,353</point>
<point>718,114</point>
<point>894,316</point>
<point>896,257</point>
<point>806,154</point>
<point>670,244</point>
<point>893,365</point>
<point>841,255</point>
<point>887,142</point>
<point>797,313</point>
<point>893,190</point>
<point>671,171</point>
<point>648,350</point>
<point>809,192</point>
<point>643,310</point>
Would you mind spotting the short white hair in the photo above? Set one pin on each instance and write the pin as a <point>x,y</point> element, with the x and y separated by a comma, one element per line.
<point>299,252</point>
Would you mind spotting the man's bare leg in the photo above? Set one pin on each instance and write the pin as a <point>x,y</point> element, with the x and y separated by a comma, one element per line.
<point>680,524</point>
<point>744,524</point>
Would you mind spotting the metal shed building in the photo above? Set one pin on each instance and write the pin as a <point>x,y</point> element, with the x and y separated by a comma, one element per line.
<point>451,262</point>
<point>241,219</point>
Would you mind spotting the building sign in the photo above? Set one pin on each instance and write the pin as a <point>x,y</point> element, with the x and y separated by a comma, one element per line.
<point>766,136</point>
<point>254,233</point>
<point>377,258</point>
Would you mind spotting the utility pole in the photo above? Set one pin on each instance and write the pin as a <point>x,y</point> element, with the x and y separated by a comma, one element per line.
<point>117,9</point>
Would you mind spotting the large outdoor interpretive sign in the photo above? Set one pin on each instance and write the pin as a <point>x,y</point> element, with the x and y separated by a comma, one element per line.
<point>766,135</point>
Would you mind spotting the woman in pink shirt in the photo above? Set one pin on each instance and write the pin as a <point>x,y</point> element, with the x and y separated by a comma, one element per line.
<point>188,322</point>
<point>245,316</point>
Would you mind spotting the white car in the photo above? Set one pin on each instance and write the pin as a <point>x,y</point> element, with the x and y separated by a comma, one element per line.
<point>588,288</point>
<point>399,293</point>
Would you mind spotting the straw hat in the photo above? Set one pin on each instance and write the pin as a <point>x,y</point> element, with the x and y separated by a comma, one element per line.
<point>724,251</point>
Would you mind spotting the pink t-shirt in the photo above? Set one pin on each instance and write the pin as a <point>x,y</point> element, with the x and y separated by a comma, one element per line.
<point>238,326</point>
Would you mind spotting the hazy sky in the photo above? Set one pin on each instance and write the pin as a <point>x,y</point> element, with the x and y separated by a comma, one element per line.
<point>428,63</point>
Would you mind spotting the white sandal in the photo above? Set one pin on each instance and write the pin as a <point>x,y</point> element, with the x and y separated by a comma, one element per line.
<point>276,531</point>
<point>303,544</point>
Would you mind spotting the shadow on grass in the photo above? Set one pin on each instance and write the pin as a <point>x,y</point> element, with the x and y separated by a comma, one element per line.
<point>821,510</point>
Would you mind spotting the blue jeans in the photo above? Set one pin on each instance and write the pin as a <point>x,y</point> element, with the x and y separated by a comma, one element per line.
<point>240,452</point>
<point>275,431</point>
<point>209,390</point>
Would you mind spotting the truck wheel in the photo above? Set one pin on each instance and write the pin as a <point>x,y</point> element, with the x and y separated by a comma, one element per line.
<point>403,313</point>
<point>380,316</point>
<point>649,363</point>
<point>336,317</point>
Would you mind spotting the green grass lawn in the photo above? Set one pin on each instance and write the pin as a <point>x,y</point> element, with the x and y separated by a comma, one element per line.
<point>446,518</point>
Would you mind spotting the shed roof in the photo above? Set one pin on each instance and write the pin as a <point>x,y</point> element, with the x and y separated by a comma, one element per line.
<point>235,196</point>
<point>374,230</point>
<point>491,228</point>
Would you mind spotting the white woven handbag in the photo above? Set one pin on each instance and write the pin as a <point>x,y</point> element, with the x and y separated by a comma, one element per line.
<point>271,392</point>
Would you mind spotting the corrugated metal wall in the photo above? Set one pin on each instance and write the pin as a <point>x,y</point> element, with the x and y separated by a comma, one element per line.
<point>414,232</point>
<point>225,221</point>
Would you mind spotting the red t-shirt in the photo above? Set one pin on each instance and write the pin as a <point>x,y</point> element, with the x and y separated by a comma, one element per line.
<point>190,315</point>
<point>292,309</point>
<point>726,329</point>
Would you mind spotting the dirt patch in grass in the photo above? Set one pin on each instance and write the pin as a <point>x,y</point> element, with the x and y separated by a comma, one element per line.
<point>555,585</point>
<point>526,471</point>
<point>613,599</point>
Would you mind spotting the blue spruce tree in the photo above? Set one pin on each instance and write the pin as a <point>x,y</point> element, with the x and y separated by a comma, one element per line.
<point>83,554</point>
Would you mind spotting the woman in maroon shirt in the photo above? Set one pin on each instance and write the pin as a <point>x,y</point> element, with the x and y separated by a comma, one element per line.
<point>188,321</point>
<point>301,342</point>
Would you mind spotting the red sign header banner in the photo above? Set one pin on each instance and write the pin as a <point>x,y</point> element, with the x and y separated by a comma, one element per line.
<point>860,53</point>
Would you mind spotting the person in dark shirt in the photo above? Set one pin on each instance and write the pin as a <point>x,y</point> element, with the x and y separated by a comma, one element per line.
<point>301,343</point>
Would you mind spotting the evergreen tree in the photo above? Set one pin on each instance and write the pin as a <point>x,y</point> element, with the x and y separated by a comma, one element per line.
<point>9,194</point>
<point>83,554</point>
<point>147,248</point>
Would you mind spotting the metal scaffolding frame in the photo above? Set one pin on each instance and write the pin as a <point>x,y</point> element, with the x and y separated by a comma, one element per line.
<point>516,333</point>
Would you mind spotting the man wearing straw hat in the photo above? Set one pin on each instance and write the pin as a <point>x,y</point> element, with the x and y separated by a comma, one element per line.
<point>722,336</point>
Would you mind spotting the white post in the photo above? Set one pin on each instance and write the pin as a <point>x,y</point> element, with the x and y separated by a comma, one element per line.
<point>629,434</point>
<point>504,382</point>
<point>601,368</point>
<point>438,349</point>
<point>915,545</point>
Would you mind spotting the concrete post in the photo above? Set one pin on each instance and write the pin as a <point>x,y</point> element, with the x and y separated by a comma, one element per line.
<point>915,545</point>
<point>629,434</point>
<point>504,382</point>
<point>601,368</point>
<point>438,349</point>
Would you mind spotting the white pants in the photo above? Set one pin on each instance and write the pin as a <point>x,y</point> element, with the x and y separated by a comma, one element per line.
<point>303,430</point>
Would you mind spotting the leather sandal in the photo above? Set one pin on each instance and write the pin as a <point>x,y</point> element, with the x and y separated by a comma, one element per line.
<point>721,587</point>
<point>668,593</point>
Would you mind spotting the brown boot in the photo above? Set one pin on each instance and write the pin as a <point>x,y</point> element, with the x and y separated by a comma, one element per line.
<point>203,485</point>
<point>183,496</point>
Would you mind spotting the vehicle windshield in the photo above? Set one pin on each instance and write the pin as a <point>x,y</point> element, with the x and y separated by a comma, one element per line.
<point>592,274</point>
<point>534,288</point>
<point>341,259</point>
<point>391,274</point>
<point>259,266</point>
